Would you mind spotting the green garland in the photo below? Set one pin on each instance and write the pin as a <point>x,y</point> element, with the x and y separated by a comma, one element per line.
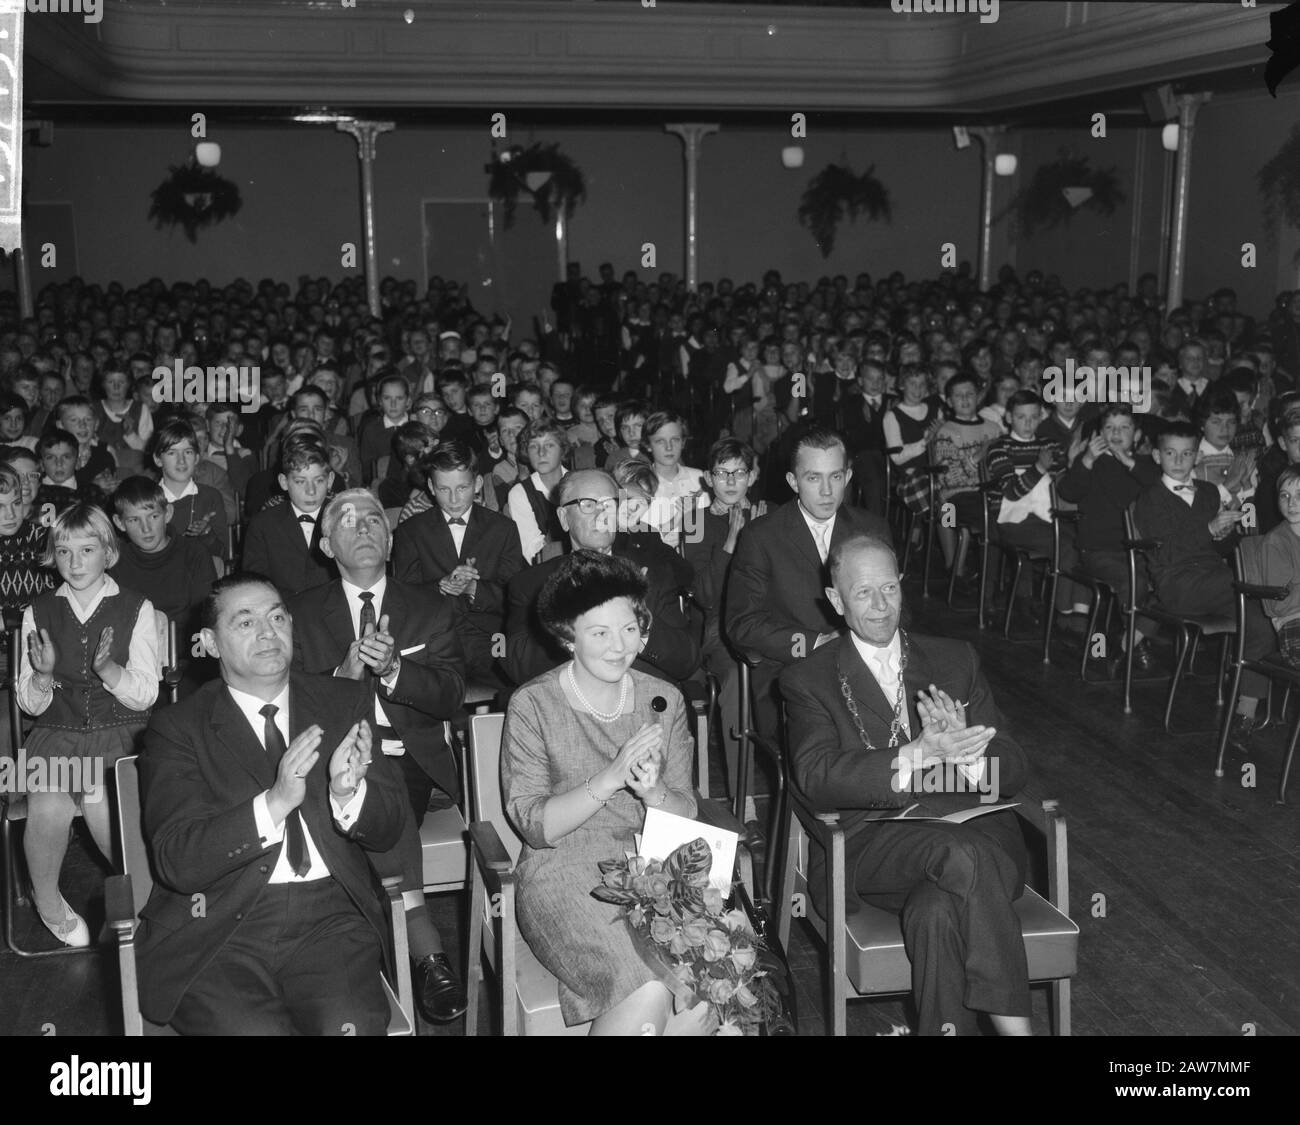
<point>1279,182</point>
<point>835,191</point>
<point>193,197</point>
<point>1041,204</point>
<point>507,174</point>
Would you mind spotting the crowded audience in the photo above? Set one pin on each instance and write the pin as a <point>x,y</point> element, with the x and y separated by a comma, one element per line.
<point>432,500</point>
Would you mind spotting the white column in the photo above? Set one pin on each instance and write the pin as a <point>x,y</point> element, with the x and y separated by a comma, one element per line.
<point>366,134</point>
<point>692,133</point>
<point>1188,104</point>
<point>562,238</point>
<point>988,137</point>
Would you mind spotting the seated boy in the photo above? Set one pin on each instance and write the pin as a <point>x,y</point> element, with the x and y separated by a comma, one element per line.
<point>733,471</point>
<point>96,465</point>
<point>174,570</point>
<point>1187,570</point>
<point>1022,464</point>
<point>399,473</point>
<point>1103,481</point>
<point>57,450</point>
<point>628,421</point>
<point>960,446</point>
<point>13,422</point>
<point>283,539</point>
<point>199,509</point>
<point>1065,424</point>
<point>453,386</point>
<point>222,448</point>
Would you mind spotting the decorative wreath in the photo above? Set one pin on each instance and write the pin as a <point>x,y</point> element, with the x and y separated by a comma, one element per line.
<point>193,197</point>
<point>508,172</point>
<point>835,191</point>
<point>1042,203</point>
<point>1279,182</point>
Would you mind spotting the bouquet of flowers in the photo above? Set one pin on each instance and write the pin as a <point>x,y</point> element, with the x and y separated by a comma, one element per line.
<point>710,952</point>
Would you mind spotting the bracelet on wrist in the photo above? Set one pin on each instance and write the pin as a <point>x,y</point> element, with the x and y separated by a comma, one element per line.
<point>592,793</point>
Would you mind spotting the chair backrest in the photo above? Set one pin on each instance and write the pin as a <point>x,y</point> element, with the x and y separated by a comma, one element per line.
<point>486,803</point>
<point>130,824</point>
<point>1250,561</point>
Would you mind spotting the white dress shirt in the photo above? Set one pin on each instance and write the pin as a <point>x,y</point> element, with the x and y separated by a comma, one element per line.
<point>344,814</point>
<point>822,531</point>
<point>353,594</point>
<point>138,687</point>
<point>458,530</point>
<point>884,664</point>
<point>1185,491</point>
<point>307,529</point>
<point>531,537</point>
<point>190,489</point>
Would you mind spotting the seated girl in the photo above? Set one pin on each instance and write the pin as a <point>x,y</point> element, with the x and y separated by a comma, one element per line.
<point>544,443</point>
<point>89,675</point>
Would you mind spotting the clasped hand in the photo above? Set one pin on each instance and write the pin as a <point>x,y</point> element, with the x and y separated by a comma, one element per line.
<point>348,765</point>
<point>945,737</point>
<point>459,580</point>
<point>638,766</point>
<point>43,655</point>
<point>373,649</point>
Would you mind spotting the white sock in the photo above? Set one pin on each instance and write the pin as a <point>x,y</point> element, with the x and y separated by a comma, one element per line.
<point>751,813</point>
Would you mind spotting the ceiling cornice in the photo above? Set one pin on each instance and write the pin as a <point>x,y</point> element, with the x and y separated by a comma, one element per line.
<point>543,53</point>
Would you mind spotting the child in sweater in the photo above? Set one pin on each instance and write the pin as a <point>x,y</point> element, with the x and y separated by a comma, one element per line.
<point>197,509</point>
<point>959,447</point>
<point>1281,563</point>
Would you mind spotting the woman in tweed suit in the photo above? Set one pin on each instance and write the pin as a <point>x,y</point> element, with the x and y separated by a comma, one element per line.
<point>585,753</point>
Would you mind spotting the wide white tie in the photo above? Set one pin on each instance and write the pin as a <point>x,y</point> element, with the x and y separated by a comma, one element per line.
<point>885,669</point>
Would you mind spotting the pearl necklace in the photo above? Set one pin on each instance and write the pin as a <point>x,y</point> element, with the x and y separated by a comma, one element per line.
<point>603,716</point>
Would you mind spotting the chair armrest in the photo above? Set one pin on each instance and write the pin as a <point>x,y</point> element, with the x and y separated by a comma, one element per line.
<point>1269,593</point>
<point>893,449</point>
<point>1071,515</point>
<point>1046,816</point>
<point>119,905</point>
<point>490,854</point>
<point>1142,544</point>
<point>771,752</point>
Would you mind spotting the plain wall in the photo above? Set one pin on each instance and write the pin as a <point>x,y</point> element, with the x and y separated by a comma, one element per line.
<point>301,190</point>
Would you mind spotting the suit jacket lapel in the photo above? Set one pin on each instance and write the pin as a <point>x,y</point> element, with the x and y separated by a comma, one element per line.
<point>236,737</point>
<point>443,544</point>
<point>802,535</point>
<point>473,533</point>
<point>338,617</point>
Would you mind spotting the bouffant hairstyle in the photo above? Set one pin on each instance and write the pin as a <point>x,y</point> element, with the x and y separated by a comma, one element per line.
<point>584,581</point>
<point>82,519</point>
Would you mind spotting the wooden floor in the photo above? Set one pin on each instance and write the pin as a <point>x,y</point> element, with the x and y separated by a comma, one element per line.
<point>1186,887</point>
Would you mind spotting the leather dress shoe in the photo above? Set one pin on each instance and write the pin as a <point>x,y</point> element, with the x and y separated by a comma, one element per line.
<point>1243,726</point>
<point>438,991</point>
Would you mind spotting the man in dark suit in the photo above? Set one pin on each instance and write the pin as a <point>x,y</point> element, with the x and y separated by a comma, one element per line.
<point>464,549</point>
<point>775,609</point>
<point>879,721</point>
<point>401,642</point>
<point>587,501</point>
<point>260,800</point>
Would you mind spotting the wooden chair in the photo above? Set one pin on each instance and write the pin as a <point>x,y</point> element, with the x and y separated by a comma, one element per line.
<point>908,518</point>
<point>1249,562</point>
<point>529,996</point>
<point>126,895</point>
<point>984,536</point>
<point>1188,628</point>
<point>13,813</point>
<point>864,951</point>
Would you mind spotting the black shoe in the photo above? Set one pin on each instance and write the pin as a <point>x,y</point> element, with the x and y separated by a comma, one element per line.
<point>1243,726</point>
<point>1142,659</point>
<point>440,995</point>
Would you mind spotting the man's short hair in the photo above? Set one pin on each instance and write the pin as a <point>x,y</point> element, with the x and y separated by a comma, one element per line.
<point>1177,429</point>
<point>301,451</point>
<point>1289,475</point>
<point>1024,398</point>
<point>835,560</point>
<point>819,437</point>
<point>452,375</point>
<point>569,484</point>
<point>211,608</point>
<point>308,391</point>
<point>143,492</point>
<point>449,457</point>
<point>732,449</point>
<point>334,507</point>
<point>53,438</point>
<point>395,380</point>
<point>1115,410</point>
